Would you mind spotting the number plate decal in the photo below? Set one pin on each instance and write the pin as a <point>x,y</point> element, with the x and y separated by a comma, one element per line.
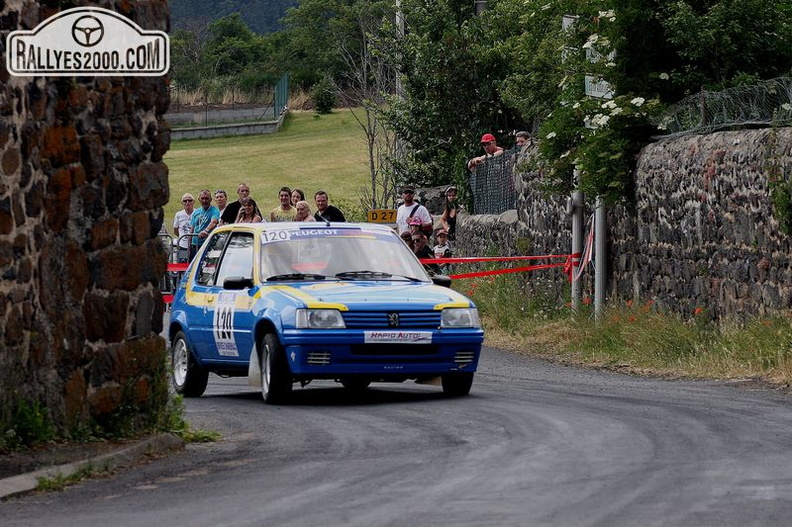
<point>223,325</point>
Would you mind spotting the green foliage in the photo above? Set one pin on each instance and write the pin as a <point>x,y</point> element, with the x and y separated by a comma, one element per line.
<point>323,96</point>
<point>262,16</point>
<point>59,481</point>
<point>720,41</point>
<point>30,424</point>
<point>451,78</point>
<point>353,209</point>
<point>510,68</point>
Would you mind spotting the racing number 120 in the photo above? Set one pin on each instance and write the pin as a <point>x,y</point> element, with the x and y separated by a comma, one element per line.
<point>224,322</point>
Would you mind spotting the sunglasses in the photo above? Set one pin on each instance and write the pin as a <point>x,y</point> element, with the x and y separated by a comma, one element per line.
<point>187,200</point>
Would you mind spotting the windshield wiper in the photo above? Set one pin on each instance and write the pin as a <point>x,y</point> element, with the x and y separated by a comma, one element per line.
<point>295,276</point>
<point>410,278</point>
<point>363,274</point>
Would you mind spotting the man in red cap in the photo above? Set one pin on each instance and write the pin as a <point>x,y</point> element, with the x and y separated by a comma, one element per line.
<point>490,150</point>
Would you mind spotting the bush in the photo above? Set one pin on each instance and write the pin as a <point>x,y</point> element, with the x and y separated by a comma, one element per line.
<point>323,96</point>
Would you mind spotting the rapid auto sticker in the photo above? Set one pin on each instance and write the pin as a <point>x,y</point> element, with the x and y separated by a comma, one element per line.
<point>223,324</point>
<point>397,337</point>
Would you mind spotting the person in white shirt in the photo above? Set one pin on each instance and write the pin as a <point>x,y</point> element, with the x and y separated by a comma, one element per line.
<point>181,227</point>
<point>410,209</point>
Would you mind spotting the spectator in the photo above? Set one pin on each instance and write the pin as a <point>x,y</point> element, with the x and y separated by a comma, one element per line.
<point>407,238</point>
<point>422,250</point>
<point>491,149</point>
<point>449,217</point>
<point>182,228</point>
<point>411,209</point>
<point>522,140</point>
<point>414,225</point>
<point>325,211</point>
<point>248,213</point>
<point>303,211</point>
<point>222,200</point>
<point>442,250</point>
<point>297,195</point>
<point>203,221</point>
<point>231,211</point>
<point>284,211</point>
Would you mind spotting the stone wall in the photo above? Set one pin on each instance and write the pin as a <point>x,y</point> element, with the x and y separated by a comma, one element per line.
<point>81,196</point>
<point>702,236</point>
<point>212,117</point>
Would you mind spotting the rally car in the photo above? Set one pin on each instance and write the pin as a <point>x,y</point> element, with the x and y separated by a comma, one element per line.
<point>286,303</point>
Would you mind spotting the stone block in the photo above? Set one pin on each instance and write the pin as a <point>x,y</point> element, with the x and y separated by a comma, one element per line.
<point>60,145</point>
<point>103,233</point>
<point>106,316</point>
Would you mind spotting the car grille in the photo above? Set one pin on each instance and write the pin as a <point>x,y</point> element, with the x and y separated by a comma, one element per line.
<point>318,358</point>
<point>464,357</point>
<point>379,320</point>
<point>402,350</point>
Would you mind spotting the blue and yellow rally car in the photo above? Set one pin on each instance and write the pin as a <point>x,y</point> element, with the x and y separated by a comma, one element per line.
<point>290,302</point>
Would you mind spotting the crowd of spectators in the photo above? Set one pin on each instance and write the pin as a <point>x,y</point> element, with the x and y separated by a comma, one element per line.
<point>192,225</point>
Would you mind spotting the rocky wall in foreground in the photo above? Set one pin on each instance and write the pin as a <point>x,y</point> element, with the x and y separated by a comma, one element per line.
<point>81,196</point>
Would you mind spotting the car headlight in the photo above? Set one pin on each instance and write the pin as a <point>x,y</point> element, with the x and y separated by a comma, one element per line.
<point>456,317</point>
<point>319,319</point>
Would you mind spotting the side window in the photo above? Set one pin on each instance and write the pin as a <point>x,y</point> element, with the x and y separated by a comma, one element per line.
<point>208,265</point>
<point>238,258</point>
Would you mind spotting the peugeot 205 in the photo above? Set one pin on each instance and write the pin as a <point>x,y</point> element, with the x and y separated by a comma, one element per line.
<point>286,303</point>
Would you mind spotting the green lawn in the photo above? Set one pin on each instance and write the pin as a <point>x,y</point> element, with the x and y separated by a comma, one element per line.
<point>311,153</point>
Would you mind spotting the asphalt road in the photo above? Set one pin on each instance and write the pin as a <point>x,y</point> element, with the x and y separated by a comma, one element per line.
<point>534,444</point>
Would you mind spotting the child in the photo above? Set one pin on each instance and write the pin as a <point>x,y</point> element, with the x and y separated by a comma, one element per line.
<point>442,249</point>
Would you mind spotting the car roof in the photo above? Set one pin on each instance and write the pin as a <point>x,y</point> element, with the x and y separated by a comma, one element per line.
<point>268,226</point>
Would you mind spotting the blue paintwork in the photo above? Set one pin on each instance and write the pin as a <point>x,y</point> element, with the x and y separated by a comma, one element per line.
<point>198,311</point>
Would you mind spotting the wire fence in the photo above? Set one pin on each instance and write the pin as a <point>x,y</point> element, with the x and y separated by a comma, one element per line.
<point>762,104</point>
<point>492,184</point>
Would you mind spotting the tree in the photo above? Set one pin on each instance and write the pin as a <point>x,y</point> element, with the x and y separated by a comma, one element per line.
<point>451,77</point>
<point>366,81</point>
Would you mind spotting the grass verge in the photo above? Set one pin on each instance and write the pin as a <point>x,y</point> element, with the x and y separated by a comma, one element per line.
<point>634,338</point>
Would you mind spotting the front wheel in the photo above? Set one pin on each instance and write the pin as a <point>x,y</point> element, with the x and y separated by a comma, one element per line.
<point>457,384</point>
<point>276,378</point>
<point>187,377</point>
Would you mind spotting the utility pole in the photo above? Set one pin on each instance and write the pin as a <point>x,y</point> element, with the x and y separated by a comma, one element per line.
<point>575,208</point>
<point>600,258</point>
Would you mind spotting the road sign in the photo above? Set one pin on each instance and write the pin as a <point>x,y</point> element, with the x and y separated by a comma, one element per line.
<point>381,216</point>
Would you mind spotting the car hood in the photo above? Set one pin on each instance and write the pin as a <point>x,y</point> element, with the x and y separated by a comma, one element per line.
<point>359,294</point>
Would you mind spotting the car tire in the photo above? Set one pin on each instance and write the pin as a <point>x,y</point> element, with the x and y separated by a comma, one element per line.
<point>187,377</point>
<point>276,378</point>
<point>457,384</point>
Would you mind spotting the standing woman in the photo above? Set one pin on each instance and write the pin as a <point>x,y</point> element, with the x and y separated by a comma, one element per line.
<point>297,195</point>
<point>247,212</point>
<point>449,217</point>
<point>303,211</point>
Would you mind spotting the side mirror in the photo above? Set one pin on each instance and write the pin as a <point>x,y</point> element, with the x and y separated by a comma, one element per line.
<point>237,283</point>
<point>441,279</point>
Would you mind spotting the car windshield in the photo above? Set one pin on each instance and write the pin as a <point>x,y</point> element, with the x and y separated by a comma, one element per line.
<point>348,253</point>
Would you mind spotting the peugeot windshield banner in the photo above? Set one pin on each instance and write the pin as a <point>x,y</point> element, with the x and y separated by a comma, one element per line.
<point>87,41</point>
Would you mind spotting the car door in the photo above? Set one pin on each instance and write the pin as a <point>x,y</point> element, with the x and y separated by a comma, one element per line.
<point>204,297</point>
<point>232,321</point>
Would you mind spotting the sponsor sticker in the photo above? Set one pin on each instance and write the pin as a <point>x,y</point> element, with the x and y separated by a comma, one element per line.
<point>397,337</point>
<point>87,41</point>
<point>223,324</point>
